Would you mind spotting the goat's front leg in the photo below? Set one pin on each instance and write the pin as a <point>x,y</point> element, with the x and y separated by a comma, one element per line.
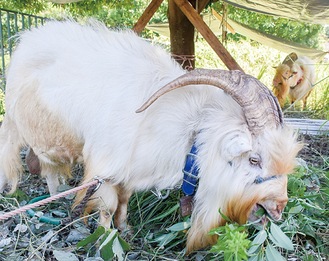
<point>120,218</point>
<point>105,199</point>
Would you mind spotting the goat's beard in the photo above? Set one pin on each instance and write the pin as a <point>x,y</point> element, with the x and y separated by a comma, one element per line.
<point>242,210</point>
<point>239,210</point>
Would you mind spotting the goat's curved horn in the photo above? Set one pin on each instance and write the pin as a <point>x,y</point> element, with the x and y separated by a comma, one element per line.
<point>260,106</point>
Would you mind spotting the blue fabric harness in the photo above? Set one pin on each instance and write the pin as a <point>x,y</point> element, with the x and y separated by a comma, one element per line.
<point>191,171</point>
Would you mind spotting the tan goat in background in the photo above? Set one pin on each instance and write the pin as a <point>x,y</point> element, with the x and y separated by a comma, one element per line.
<point>294,78</point>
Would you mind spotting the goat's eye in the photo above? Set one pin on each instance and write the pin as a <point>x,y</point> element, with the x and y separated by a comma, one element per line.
<point>254,161</point>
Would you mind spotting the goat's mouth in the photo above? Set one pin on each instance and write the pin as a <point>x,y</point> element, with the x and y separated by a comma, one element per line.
<point>260,214</point>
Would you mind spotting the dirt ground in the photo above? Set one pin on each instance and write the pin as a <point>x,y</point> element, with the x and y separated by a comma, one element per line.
<point>316,149</point>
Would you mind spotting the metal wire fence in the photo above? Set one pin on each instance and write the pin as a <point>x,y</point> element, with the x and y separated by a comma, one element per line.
<point>11,23</point>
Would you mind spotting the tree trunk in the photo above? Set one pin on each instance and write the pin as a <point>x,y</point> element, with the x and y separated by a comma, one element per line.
<point>183,16</point>
<point>181,36</point>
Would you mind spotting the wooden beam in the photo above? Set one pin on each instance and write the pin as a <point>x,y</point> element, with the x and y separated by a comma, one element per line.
<point>206,32</point>
<point>147,15</point>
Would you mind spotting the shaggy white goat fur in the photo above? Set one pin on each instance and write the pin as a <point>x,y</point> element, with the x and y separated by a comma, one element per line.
<point>72,92</point>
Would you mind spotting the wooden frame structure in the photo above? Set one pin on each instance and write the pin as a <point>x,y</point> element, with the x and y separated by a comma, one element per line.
<point>194,17</point>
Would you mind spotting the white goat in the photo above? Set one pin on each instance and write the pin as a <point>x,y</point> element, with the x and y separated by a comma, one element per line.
<point>294,78</point>
<point>72,94</point>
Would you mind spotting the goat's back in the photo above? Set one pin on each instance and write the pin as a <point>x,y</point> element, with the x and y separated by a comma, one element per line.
<point>85,84</point>
<point>88,69</point>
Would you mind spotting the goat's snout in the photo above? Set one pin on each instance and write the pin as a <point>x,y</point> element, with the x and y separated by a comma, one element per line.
<point>276,213</point>
<point>280,206</point>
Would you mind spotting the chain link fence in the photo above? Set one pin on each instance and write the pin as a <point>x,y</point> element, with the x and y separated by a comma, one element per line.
<point>11,23</point>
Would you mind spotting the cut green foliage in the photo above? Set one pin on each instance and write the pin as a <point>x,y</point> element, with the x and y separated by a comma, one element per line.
<point>266,242</point>
<point>272,254</point>
<point>232,242</point>
<point>92,238</point>
<point>175,231</point>
<point>279,238</point>
<point>109,243</point>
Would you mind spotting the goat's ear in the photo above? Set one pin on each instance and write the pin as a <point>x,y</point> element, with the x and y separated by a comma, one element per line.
<point>235,144</point>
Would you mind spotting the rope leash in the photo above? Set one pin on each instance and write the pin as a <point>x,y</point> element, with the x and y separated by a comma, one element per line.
<point>185,60</point>
<point>92,187</point>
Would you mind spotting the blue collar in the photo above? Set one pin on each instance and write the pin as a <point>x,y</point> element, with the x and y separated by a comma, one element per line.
<point>191,171</point>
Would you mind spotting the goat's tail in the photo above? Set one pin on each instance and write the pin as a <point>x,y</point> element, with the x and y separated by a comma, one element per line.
<point>10,161</point>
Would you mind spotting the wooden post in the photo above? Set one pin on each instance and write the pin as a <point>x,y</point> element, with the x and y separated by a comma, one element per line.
<point>181,36</point>
<point>224,23</point>
<point>205,31</point>
<point>182,44</point>
<point>147,15</point>
<point>220,18</point>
